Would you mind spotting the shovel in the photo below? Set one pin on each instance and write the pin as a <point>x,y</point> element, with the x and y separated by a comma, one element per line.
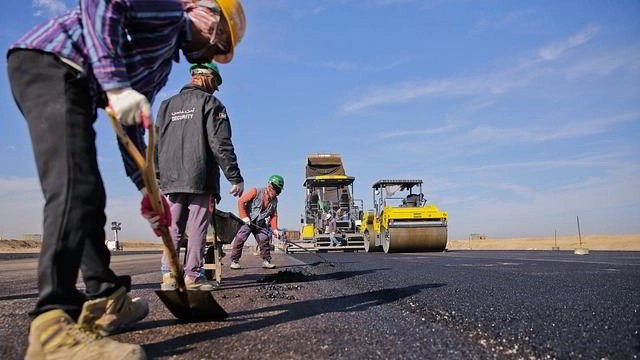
<point>183,303</point>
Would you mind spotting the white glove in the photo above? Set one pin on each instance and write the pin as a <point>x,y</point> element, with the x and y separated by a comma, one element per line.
<point>246,220</point>
<point>128,105</point>
<point>276,233</point>
<point>237,189</point>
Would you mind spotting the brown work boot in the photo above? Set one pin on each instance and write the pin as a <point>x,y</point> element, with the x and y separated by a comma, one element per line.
<point>54,335</point>
<point>200,284</point>
<point>109,315</point>
<point>169,282</point>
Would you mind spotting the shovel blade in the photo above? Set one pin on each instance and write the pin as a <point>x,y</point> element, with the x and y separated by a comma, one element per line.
<point>192,305</point>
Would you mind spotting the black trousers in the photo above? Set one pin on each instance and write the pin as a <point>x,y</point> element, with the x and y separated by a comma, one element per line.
<point>56,102</point>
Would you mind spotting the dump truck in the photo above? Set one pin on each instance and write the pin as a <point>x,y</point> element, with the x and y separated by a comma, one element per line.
<point>329,190</point>
<point>402,220</point>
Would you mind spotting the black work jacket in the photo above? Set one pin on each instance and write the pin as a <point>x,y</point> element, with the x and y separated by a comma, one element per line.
<point>194,142</point>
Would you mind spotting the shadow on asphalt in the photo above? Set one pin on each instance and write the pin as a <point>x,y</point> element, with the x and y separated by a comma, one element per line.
<point>253,280</point>
<point>285,313</point>
<point>19,297</point>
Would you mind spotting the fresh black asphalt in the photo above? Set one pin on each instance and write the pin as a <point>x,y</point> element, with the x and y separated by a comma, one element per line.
<point>452,305</point>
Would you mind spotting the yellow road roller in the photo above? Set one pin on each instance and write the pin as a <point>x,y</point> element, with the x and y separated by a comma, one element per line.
<point>402,220</point>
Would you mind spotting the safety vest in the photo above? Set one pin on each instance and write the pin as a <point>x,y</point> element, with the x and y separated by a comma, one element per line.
<point>257,215</point>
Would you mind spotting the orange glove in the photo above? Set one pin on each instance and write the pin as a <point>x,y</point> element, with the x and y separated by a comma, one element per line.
<point>156,219</point>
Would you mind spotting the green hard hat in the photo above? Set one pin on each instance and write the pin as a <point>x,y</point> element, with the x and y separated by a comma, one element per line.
<point>211,66</point>
<point>277,181</point>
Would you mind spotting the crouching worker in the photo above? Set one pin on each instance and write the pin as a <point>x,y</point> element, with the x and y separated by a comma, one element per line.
<point>258,208</point>
<point>194,143</point>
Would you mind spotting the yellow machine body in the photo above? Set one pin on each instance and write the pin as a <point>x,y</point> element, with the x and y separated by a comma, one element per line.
<point>307,232</point>
<point>405,227</point>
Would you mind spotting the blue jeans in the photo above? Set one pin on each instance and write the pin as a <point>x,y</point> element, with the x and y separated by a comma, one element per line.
<point>334,241</point>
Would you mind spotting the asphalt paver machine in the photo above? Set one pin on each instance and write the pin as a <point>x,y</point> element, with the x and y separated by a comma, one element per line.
<point>330,191</point>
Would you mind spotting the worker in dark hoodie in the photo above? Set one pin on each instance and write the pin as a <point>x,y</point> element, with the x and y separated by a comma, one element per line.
<point>194,143</point>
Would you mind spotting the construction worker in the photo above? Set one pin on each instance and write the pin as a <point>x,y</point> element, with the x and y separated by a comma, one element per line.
<point>331,229</point>
<point>258,208</point>
<point>117,53</point>
<point>194,143</point>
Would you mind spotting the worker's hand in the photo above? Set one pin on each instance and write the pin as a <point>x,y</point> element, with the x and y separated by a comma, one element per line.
<point>246,220</point>
<point>276,233</point>
<point>130,106</point>
<point>156,219</point>
<point>237,189</point>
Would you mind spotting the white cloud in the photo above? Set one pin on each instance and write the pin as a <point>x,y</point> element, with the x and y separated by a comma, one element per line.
<point>48,7</point>
<point>490,84</point>
<point>104,160</point>
<point>438,130</point>
<point>554,51</point>
<point>586,127</point>
<point>604,63</point>
<point>23,202</point>
<point>483,139</point>
<point>316,10</point>
<point>501,20</point>
<point>547,210</point>
<point>12,185</point>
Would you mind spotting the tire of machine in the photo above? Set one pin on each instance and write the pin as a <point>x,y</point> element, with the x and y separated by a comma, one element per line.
<point>370,240</point>
<point>385,238</point>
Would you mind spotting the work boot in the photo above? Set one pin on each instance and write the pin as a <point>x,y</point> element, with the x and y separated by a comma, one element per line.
<point>235,265</point>
<point>113,313</point>
<point>268,265</point>
<point>54,335</point>
<point>169,282</point>
<point>200,284</point>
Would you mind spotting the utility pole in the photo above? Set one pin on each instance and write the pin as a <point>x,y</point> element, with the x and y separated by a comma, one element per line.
<point>116,226</point>
<point>579,234</point>
<point>580,250</point>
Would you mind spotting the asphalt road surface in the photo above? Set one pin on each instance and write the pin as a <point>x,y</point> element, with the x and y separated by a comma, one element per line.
<point>454,305</point>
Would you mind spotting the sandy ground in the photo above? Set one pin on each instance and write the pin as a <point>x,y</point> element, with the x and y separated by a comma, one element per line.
<point>591,242</point>
<point>24,246</point>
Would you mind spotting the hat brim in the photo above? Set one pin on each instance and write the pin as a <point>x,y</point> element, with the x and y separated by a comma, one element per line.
<point>224,59</point>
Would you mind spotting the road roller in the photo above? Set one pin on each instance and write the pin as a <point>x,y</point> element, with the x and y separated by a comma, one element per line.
<point>402,220</point>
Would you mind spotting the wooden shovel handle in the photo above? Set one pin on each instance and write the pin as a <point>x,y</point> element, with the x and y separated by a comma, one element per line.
<point>148,169</point>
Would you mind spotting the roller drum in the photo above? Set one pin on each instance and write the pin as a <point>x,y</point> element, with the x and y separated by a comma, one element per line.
<point>414,239</point>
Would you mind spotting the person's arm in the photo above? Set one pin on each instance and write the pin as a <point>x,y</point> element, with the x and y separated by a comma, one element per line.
<point>274,221</point>
<point>136,135</point>
<point>244,200</point>
<point>104,35</point>
<point>103,32</point>
<point>219,135</point>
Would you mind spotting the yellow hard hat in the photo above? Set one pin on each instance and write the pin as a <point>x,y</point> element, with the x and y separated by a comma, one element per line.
<point>234,14</point>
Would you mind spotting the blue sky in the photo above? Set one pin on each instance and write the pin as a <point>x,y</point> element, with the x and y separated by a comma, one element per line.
<point>519,116</point>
